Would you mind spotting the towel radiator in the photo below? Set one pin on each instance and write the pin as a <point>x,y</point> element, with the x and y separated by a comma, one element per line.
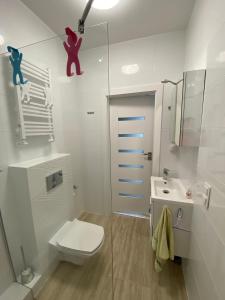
<point>35,103</point>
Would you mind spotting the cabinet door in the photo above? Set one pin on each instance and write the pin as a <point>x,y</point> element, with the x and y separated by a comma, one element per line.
<point>176,208</point>
<point>181,230</point>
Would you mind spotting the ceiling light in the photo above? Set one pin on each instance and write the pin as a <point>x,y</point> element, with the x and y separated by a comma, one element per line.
<point>104,4</point>
<point>130,69</point>
<point>2,41</point>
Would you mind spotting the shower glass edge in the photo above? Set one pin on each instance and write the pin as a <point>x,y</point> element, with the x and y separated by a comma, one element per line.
<point>80,118</point>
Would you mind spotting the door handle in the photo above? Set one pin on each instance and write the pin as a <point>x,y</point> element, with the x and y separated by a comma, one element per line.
<point>149,154</point>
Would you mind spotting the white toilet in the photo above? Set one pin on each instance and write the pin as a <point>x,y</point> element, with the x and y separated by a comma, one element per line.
<point>77,241</point>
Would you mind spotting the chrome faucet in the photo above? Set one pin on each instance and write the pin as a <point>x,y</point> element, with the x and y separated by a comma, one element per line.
<point>165,173</point>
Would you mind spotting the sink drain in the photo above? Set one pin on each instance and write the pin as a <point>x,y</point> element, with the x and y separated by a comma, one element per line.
<point>166,191</point>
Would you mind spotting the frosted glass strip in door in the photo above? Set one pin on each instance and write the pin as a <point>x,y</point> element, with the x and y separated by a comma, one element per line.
<point>131,188</point>
<point>132,174</point>
<point>142,118</point>
<point>131,181</point>
<point>131,151</point>
<point>131,135</point>
<point>131,166</point>
<point>127,195</point>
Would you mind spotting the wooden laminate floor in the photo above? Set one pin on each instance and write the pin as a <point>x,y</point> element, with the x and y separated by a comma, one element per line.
<point>122,270</point>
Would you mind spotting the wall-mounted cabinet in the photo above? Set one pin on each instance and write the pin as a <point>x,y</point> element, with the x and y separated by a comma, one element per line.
<point>188,108</point>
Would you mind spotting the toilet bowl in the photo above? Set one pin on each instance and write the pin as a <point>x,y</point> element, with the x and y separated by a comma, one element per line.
<point>77,241</point>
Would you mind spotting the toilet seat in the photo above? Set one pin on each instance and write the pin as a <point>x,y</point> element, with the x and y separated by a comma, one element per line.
<point>80,237</point>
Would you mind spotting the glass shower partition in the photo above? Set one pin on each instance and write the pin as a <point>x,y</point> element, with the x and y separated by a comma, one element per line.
<point>77,124</point>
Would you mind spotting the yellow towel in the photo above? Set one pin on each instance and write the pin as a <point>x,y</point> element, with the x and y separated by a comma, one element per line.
<point>163,239</point>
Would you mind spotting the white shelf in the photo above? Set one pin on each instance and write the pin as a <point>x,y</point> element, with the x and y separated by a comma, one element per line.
<point>37,161</point>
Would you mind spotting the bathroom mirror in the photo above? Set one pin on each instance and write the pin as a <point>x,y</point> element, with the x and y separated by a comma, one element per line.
<point>187,109</point>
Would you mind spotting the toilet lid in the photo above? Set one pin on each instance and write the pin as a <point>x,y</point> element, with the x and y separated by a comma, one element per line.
<point>82,237</point>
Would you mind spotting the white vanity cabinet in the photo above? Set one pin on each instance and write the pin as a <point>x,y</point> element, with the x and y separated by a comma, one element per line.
<point>171,193</point>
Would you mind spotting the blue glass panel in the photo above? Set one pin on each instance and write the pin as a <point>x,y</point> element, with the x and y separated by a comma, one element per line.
<point>133,151</point>
<point>132,135</point>
<point>137,196</point>
<point>131,181</point>
<point>131,166</point>
<point>141,118</point>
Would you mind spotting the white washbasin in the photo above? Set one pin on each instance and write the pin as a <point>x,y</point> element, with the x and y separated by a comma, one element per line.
<point>172,190</point>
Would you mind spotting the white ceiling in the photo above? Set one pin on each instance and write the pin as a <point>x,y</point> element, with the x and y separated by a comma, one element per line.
<point>130,19</point>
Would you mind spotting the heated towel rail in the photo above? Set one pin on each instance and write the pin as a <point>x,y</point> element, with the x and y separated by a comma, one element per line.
<point>35,103</point>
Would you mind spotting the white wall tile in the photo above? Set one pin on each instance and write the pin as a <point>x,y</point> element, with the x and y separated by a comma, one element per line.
<point>158,57</point>
<point>205,47</point>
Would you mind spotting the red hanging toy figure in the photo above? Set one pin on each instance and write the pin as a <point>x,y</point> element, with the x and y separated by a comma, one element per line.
<point>72,48</point>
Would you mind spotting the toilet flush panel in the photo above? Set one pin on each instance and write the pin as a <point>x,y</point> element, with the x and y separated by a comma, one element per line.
<point>54,179</point>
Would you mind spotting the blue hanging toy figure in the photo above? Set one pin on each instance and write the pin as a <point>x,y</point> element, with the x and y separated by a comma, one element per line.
<point>16,59</point>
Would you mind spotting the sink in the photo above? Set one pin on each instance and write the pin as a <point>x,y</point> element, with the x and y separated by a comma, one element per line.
<point>172,190</point>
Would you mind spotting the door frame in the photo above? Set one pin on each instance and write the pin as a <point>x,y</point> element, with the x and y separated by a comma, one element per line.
<point>148,89</point>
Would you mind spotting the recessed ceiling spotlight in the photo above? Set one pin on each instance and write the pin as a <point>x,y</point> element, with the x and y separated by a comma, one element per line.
<point>130,69</point>
<point>105,4</point>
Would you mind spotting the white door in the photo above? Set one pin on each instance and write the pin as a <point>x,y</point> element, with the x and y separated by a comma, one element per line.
<point>131,126</point>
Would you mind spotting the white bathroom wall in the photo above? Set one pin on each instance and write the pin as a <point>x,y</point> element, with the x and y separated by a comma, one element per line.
<point>206,19</point>
<point>20,27</point>
<point>83,116</point>
<point>92,92</point>
<point>38,146</point>
<point>156,57</point>
<point>205,48</point>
